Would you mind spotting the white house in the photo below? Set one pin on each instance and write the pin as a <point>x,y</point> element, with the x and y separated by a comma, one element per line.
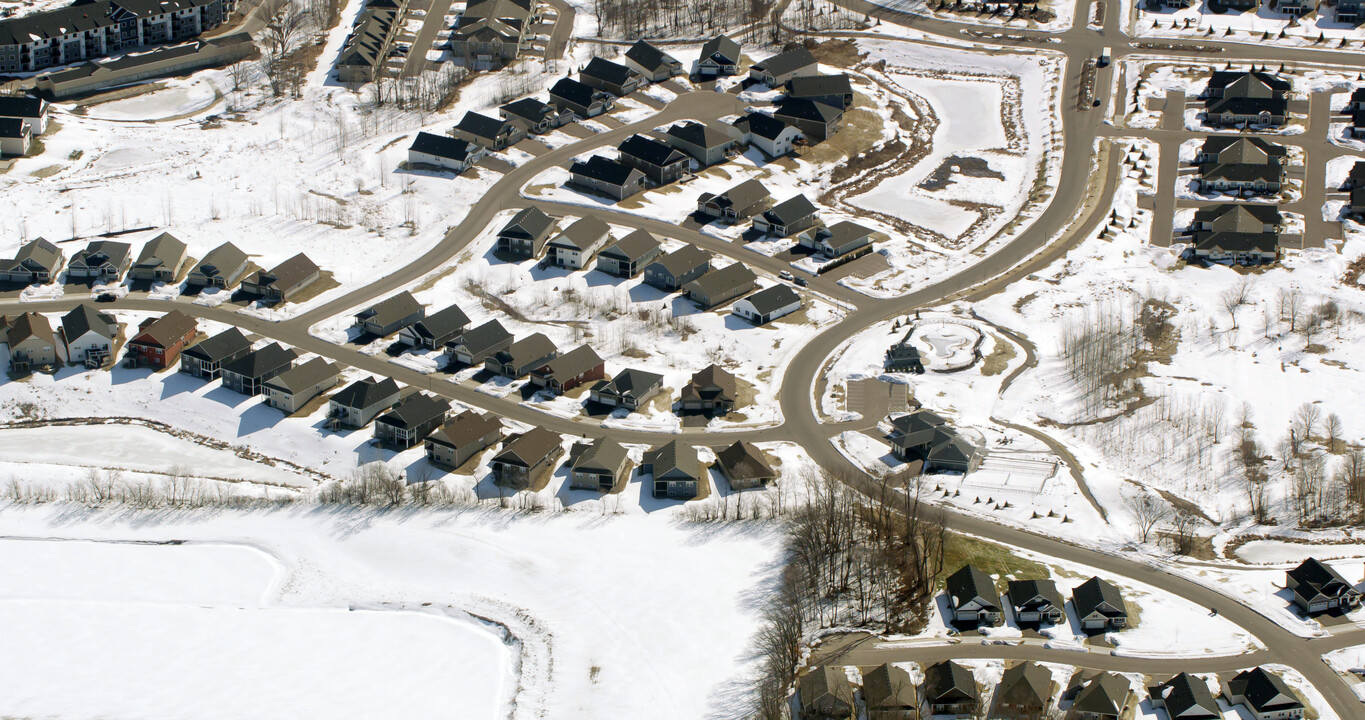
<point>765,306</point>
<point>443,152</point>
<point>88,336</point>
<point>765,132</point>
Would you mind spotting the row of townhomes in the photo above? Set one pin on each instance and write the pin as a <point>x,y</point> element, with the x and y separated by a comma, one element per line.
<point>371,39</point>
<point>1027,691</point>
<point>1346,11</point>
<point>975,602</point>
<point>89,30</point>
<point>492,33</point>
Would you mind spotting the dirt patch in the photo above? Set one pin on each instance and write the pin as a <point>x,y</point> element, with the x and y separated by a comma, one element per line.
<point>324,283</point>
<point>47,172</point>
<point>990,558</point>
<point>973,167</point>
<point>999,359</point>
<point>839,53</point>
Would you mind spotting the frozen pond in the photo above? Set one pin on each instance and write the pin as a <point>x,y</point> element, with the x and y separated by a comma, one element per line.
<point>1280,551</point>
<point>968,112</point>
<point>895,199</point>
<point>174,100</point>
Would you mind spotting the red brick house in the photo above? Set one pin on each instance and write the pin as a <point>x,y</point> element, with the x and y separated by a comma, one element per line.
<point>159,340</point>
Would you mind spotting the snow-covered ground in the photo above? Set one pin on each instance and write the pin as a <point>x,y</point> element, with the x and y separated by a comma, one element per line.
<point>1263,26</point>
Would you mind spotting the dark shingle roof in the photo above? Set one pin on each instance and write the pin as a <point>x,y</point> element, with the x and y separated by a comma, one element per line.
<point>630,382</point>
<point>582,234</point>
<point>214,349</point>
<point>699,134</point>
<point>633,246</point>
<point>762,125</point>
<point>744,460</point>
<point>21,106</point>
<point>773,299</point>
<point>723,47</point>
<point>465,428</point>
<point>603,454</point>
<point>605,170</point>
<point>970,582</point>
<point>725,279</point>
<point>259,362</point>
<point>683,260</point>
<point>671,456</point>
<point>392,309</point>
<point>101,251</point>
<point>790,210</point>
<point>416,409</point>
<point>648,56</point>
<point>1089,595</point>
<point>608,71</point>
<point>168,328</point>
<point>1104,694</point>
<point>442,146</point>
<point>530,447</point>
<point>889,687</point>
<point>441,323</point>
<point>40,251</point>
<point>573,91</point>
<point>485,336</point>
<point>29,325</point>
<point>1187,696</point>
<point>807,86</point>
<point>481,126</point>
<point>222,260</point>
<point>365,393</point>
<point>1021,591</point>
<point>161,250</point>
<point>572,363</point>
<point>789,61</point>
<point>529,109</point>
<point>744,195</point>
<point>1027,683</point>
<point>804,109</point>
<point>650,150</point>
<point>946,679</point>
<point>288,274</point>
<point>85,318</point>
<point>1264,691</point>
<point>532,220</point>
<point>304,376</point>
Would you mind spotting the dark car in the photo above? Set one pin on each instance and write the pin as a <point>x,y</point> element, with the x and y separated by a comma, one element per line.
<point>106,297</point>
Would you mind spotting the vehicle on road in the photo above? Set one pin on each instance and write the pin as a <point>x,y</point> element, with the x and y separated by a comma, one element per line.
<point>802,282</point>
<point>1103,59</point>
<point>106,297</point>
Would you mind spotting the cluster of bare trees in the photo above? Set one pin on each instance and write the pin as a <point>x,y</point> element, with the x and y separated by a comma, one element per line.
<point>1099,350</point>
<point>178,489</point>
<point>821,15</point>
<point>426,93</point>
<point>289,24</point>
<point>631,19</point>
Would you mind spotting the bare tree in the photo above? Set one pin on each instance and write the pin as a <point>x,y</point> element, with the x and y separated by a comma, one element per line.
<point>1148,510</point>
<point>1306,421</point>
<point>1183,526</point>
<point>1333,428</point>
<point>1290,307</point>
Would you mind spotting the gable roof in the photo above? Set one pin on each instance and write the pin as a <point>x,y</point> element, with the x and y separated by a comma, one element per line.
<point>730,277</point>
<point>228,342</point>
<point>1316,577</point>
<point>763,125</point>
<point>477,340</point>
<point>744,195</point>
<point>442,146</point>
<point>583,234</point>
<point>670,456</point>
<point>29,325</point>
<point>441,323</point>
<point>21,106</point>
<point>259,362</point>
<point>1097,595</point>
<point>391,309</point>
<point>633,246</point>
<point>305,376</point>
<point>223,260</point>
<point>946,680</point>
<point>1104,694</point>
<point>806,109</point>
<point>168,329</point>
<point>571,364</point>
<point>772,299</point>
<point>467,427</point>
<point>683,260</point>
<point>574,91</point>
<point>630,383</point>
<point>1187,696</point>
<point>530,348</point>
<point>970,583</point>
<point>101,252</point>
<point>721,48</point>
<point>1236,217</point>
<point>808,86</point>
<point>366,393</point>
<point>1264,691</point>
<point>744,460</point>
<point>713,376</point>
<point>790,210</point>
<point>161,250</point>
<point>887,687</point>
<point>529,109</point>
<point>825,680</point>
<point>1251,82</point>
<point>601,169</point>
<point>41,252</point>
<point>649,57</point>
<point>603,454</point>
<point>786,62</point>
<point>530,448</point>
<point>531,220</point>
<point>1022,591</point>
<point>1027,683</point>
<point>608,71</point>
<point>287,274</point>
<point>699,134</point>
<point>85,318</point>
<point>651,151</point>
<point>481,126</point>
<point>414,410</point>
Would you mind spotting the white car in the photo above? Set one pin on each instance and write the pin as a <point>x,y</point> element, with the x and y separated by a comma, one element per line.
<point>786,275</point>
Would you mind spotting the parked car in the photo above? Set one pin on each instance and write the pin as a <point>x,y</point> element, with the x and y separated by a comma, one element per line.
<point>106,297</point>
<point>802,282</point>
<point>785,275</point>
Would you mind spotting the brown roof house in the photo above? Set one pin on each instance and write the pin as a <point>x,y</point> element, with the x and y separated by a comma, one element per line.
<point>741,201</point>
<point>475,345</point>
<point>744,466</point>
<point>676,269</point>
<point>36,262</point>
<point>523,356</point>
<point>160,260</point>
<point>221,268</point>
<point>525,235</point>
<point>677,471</point>
<point>889,694</point>
<point>526,459</point>
<point>568,371</point>
<point>712,389</point>
<point>1099,696</point>
<point>292,389</point>
<point>601,465</point>
<point>159,340</point>
<point>461,438</point>
<point>31,343</point>
<point>411,421</point>
<point>629,389</point>
<point>358,403</point>
<point>721,286</point>
<point>284,280</point>
<point>390,315</point>
<point>1024,693</point>
<point>825,694</point>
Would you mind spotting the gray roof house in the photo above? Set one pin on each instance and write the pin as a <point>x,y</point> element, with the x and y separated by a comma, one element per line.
<point>707,145</point>
<point>1264,694</point>
<point>88,335</point>
<point>653,64</point>
<point>816,120</point>
<point>949,689</point>
<point>674,270</point>
<point>527,459</point>
<point>1319,588</point>
<point>744,466</point>
<point>903,356</point>
<point>206,358</point>
<point>492,133</point>
<point>601,465</point>
<point>837,240</point>
<point>570,96</point>
<point>973,597</point>
<point>102,260</point>
<point>1025,691</point>
<point>292,389</point>
<point>537,117</point>
<point>567,371</point>
<point>629,389</point>
<point>834,90</point>
<point>357,404</point>
<point>660,162</point>
<point>390,315</point>
<point>765,132</point>
<point>442,151</point>
<point>711,389</point>
<point>284,280</point>
<point>676,469</point>
<point>1104,696</point>
<point>614,78</point>
<point>1241,164</point>
<point>1036,601</point>
<point>1099,605</point>
<point>27,108</point>
<point>575,247</point>
<point>741,201</point>
<point>435,330</point>
<point>767,305</point>
<point>222,267</point>
<point>778,69</point>
<point>721,286</point>
<point>825,694</point>
<point>248,374</point>
<point>629,255</point>
<point>788,217</point>
<point>475,345</point>
<point>924,436</point>
<point>1238,233</point>
<point>889,694</point>
<point>36,262</point>
<point>612,178</point>
<point>525,235</point>
<point>411,420</point>
<point>719,56</point>
<point>462,437</point>
<point>522,356</point>
<point>1185,697</point>
<point>16,140</point>
<point>160,260</point>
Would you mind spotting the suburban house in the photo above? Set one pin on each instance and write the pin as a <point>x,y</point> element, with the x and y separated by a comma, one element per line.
<point>221,268</point>
<point>816,120</point>
<point>889,694</point>
<point>601,465</point>
<point>707,145</point>
<point>1318,588</point>
<point>1246,97</point>
<point>390,315</point>
<point>719,56</point>
<point>825,694</point>
<point>248,374</point>
<point>491,33</point>
<point>628,389</point>
<point>1264,694</point>
<point>284,280</point>
<point>357,404</point>
<point>569,370</point>
<point>524,236</point>
<point>160,260</point>
<point>712,389</point>
<point>575,247</point>
<point>370,41</point>
<point>571,96</point>
<point>522,356</point>
<point>788,217</point>
<point>1036,601</point>
<point>973,597</point>
<point>462,437</point>
<point>741,201</point>
<point>767,305</point>
<point>721,286</point>
<point>489,132</point>
<point>837,240</point>
<point>443,152</point>
<point>676,470</point>
<point>289,391</point>
<point>435,330</point>
<point>774,137</point>
<point>475,345</point>
<point>676,269</point>
<point>614,78</point>
<point>526,459</point>
<point>1233,164</point>
<point>411,420</point>
<point>925,436</point>
<point>661,163</point>
<point>36,262</point>
<point>88,336</point>
<point>1186,697</point>
<point>30,110</point>
<point>903,356</point>
<point>205,359</point>
<point>1024,693</point>
<point>31,343</point>
<point>1296,8</point>
<point>15,138</point>
<point>1349,11</point>
<point>629,255</point>
<point>651,63</point>
<point>835,90</point>
<point>1103,696</point>
<point>1236,233</point>
<point>1099,605</point>
<point>159,340</point>
<point>612,178</point>
<point>949,689</point>
<point>744,466</point>
<point>537,117</point>
<point>100,261</point>
<point>778,69</point>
